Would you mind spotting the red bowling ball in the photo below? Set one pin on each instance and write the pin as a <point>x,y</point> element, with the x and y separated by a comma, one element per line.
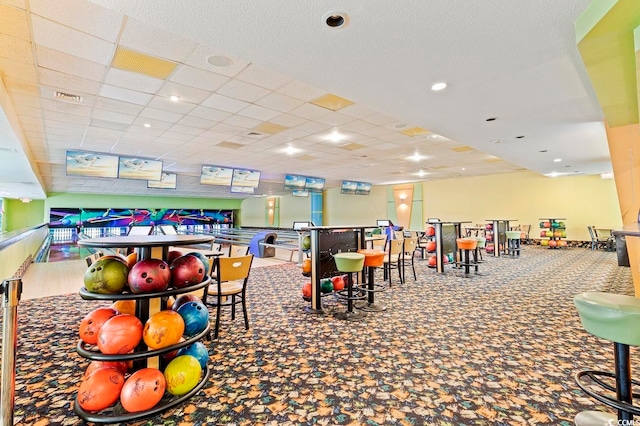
<point>186,270</point>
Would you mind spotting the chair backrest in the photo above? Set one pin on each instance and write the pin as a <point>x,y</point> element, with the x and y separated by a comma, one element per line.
<point>595,232</point>
<point>238,251</point>
<point>93,257</point>
<point>410,245</point>
<point>233,268</point>
<point>395,247</point>
<point>379,244</point>
<point>593,237</point>
<point>398,235</point>
<point>216,247</point>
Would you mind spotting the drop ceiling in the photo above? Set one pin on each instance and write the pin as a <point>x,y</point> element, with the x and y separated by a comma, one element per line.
<point>296,96</point>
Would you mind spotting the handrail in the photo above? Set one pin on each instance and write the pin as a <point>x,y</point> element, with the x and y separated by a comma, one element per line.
<point>11,289</point>
<point>13,237</point>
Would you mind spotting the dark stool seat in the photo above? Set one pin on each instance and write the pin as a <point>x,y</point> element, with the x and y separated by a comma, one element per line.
<point>349,262</point>
<point>372,259</point>
<point>467,245</point>
<point>613,317</point>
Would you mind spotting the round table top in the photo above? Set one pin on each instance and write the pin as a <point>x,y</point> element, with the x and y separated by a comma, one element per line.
<point>631,229</point>
<point>146,241</point>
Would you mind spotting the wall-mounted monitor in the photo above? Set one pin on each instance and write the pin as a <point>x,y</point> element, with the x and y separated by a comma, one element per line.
<point>383,223</point>
<point>348,187</point>
<point>168,181</point>
<point>245,178</point>
<point>299,193</point>
<point>242,190</point>
<point>314,184</point>
<point>294,182</point>
<point>92,164</point>
<point>140,230</point>
<point>363,188</point>
<point>139,168</point>
<point>216,175</point>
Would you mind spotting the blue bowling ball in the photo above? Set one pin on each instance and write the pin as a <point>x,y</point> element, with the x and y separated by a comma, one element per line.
<point>195,316</point>
<point>197,350</point>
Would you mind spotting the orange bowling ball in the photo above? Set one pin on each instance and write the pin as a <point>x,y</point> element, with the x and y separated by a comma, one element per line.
<point>163,329</point>
<point>100,389</point>
<point>93,321</point>
<point>125,306</point>
<point>120,335</point>
<point>143,390</point>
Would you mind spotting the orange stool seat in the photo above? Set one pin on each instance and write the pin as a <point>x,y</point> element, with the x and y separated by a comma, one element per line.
<point>373,258</point>
<point>467,243</point>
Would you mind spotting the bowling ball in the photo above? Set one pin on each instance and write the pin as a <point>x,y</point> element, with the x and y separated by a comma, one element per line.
<point>125,306</point>
<point>306,290</point>
<point>143,390</point>
<point>306,266</point>
<point>450,257</point>
<point>186,270</point>
<point>561,225</point>
<point>182,374</point>
<point>121,366</point>
<point>173,255</point>
<point>326,286</point>
<point>162,329</point>
<point>203,259</point>
<point>93,321</point>
<point>430,231</point>
<point>544,243</point>
<point>197,350</point>
<point>306,242</point>
<point>542,225</point>
<point>132,258</point>
<point>431,246</point>
<point>445,259</point>
<point>543,233</point>
<point>489,237</point>
<point>555,224</point>
<point>149,276</point>
<point>563,234</point>
<point>106,276</point>
<point>116,257</point>
<point>195,316</point>
<point>120,335</point>
<point>489,226</point>
<point>100,389</point>
<point>552,243</point>
<point>549,234</point>
<point>184,298</point>
<point>168,356</point>
<point>557,234</point>
<point>432,261</point>
<point>338,283</point>
<point>546,224</point>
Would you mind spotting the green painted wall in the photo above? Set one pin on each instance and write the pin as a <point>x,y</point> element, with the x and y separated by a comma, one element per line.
<point>19,215</point>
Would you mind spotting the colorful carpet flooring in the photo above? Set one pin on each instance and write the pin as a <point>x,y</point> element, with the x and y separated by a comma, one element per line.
<point>495,349</point>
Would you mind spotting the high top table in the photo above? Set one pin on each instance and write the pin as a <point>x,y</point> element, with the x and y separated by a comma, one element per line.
<point>500,227</point>
<point>451,240</point>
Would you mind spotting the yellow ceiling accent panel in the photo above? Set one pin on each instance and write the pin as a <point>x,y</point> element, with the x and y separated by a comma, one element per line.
<point>493,160</point>
<point>306,157</point>
<point>463,148</point>
<point>415,131</point>
<point>152,66</point>
<point>352,146</point>
<point>271,128</point>
<point>229,145</point>
<point>332,102</point>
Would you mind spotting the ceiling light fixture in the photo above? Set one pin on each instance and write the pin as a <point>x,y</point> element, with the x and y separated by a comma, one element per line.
<point>219,61</point>
<point>336,19</point>
<point>147,125</point>
<point>557,160</point>
<point>290,150</point>
<point>439,86</point>
<point>335,136</point>
<point>422,173</point>
<point>25,200</point>
<point>174,98</point>
<point>416,157</point>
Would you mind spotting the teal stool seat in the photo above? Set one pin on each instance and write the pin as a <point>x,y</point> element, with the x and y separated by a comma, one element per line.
<point>616,318</point>
<point>513,243</point>
<point>349,262</point>
<point>613,317</point>
<point>482,242</point>
<point>513,235</point>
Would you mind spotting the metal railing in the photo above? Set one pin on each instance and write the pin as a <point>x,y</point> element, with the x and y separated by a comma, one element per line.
<point>11,290</point>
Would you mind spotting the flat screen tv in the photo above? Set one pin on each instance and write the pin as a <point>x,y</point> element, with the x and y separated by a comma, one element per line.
<point>245,178</point>
<point>363,188</point>
<point>242,190</point>
<point>300,193</point>
<point>348,187</point>
<point>216,175</point>
<point>314,184</point>
<point>294,182</point>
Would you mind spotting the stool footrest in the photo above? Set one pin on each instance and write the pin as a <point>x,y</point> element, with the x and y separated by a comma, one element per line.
<point>595,376</point>
<point>377,288</point>
<point>357,293</point>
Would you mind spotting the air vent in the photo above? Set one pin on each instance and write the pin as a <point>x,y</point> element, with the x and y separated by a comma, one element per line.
<point>254,134</point>
<point>68,97</point>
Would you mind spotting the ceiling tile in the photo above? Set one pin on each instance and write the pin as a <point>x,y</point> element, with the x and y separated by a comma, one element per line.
<point>166,104</point>
<point>259,113</point>
<point>311,112</point>
<point>224,103</point>
<point>108,104</point>
<point>198,78</point>
<point>55,36</point>
<point>279,102</point>
<point>176,136</point>
<point>358,111</point>
<point>288,120</point>
<point>332,102</point>
<point>185,93</point>
<point>209,114</point>
<point>155,41</point>
<point>126,95</point>
<point>334,119</point>
<point>229,129</point>
<point>15,49</point>
<point>68,83</point>
<point>14,22</point>
<point>199,57</point>
<point>73,65</point>
<point>19,70</point>
<point>21,86</point>
<point>271,128</point>
<point>199,123</point>
<point>133,81</point>
<point>240,121</point>
<point>113,116</point>
<point>264,77</point>
<point>302,91</point>
<point>380,119</point>
<point>141,63</point>
<point>186,130</point>
<point>66,118</point>
<point>21,4</point>
<point>81,15</point>
<point>415,131</point>
<point>66,107</point>
<point>243,91</point>
<point>158,114</point>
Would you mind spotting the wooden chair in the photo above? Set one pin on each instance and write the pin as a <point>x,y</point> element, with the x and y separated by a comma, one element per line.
<point>596,242</point>
<point>524,233</point>
<point>238,251</point>
<point>410,245</point>
<point>393,259</point>
<point>230,287</point>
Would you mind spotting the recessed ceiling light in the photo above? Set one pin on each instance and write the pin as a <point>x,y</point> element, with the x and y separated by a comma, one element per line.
<point>290,150</point>
<point>416,157</point>
<point>463,169</point>
<point>491,119</point>
<point>553,174</point>
<point>336,19</point>
<point>219,61</point>
<point>422,173</point>
<point>557,160</point>
<point>174,98</point>
<point>439,86</point>
<point>335,136</point>
<point>147,125</point>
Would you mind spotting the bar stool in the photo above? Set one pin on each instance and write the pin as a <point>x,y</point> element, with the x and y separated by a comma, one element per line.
<point>612,317</point>
<point>477,254</point>
<point>348,263</point>
<point>513,243</point>
<point>467,245</point>
<point>372,259</point>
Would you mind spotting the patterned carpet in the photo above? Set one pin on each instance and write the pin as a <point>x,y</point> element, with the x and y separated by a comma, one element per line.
<point>496,349</point>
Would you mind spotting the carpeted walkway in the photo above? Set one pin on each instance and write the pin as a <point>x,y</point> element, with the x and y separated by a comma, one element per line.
<point>497,349</point>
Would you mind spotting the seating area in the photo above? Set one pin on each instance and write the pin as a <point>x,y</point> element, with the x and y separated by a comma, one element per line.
<point>604,242</point>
